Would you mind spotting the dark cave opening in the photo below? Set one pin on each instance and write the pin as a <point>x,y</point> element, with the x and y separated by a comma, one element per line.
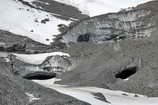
<point>40,76</point>
<point>84,38</point>
<point>125,73</point>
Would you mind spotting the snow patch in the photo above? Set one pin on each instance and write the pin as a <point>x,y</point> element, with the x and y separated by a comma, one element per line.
<point>37,58</point>
<point>29,0</point>
<point>49,81</point>
<point>31,97</point>
<point>23,20</point>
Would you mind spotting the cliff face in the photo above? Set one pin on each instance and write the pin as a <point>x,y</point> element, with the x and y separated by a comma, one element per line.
<point>133,23</point>
<point>57,63</point>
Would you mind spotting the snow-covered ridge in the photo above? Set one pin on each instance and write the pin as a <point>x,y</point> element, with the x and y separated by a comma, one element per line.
<point>98,7</point>
<point>23,20</point>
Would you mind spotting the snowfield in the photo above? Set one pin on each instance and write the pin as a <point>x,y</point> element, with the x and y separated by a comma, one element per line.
<point>23,20</point>
<point>86,94</point>
<point>37,58</point>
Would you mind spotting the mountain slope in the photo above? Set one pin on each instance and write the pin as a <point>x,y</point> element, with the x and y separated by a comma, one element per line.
<point>129,65</point>
<point>20,18</point>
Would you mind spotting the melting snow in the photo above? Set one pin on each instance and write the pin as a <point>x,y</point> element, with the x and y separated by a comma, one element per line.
<point>98,7</point>
<point>113,97</point>
<point>29,0</point>
<point>37,58</point>
<point>31,97</point>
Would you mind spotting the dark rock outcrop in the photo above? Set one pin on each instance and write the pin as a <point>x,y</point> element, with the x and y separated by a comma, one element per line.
<point>16,43</point>
<point>101,97</point>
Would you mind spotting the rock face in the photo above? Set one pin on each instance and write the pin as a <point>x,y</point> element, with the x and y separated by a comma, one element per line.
<point>134,23</point>
<point>57,63</point>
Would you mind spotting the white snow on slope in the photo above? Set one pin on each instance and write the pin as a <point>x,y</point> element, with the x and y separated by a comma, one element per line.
<point>37,58</point>
<point>31,97</point>
<point>114,97</point>
<point>23,20</point>
<point>98,7</point>
<point>29,0</point>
